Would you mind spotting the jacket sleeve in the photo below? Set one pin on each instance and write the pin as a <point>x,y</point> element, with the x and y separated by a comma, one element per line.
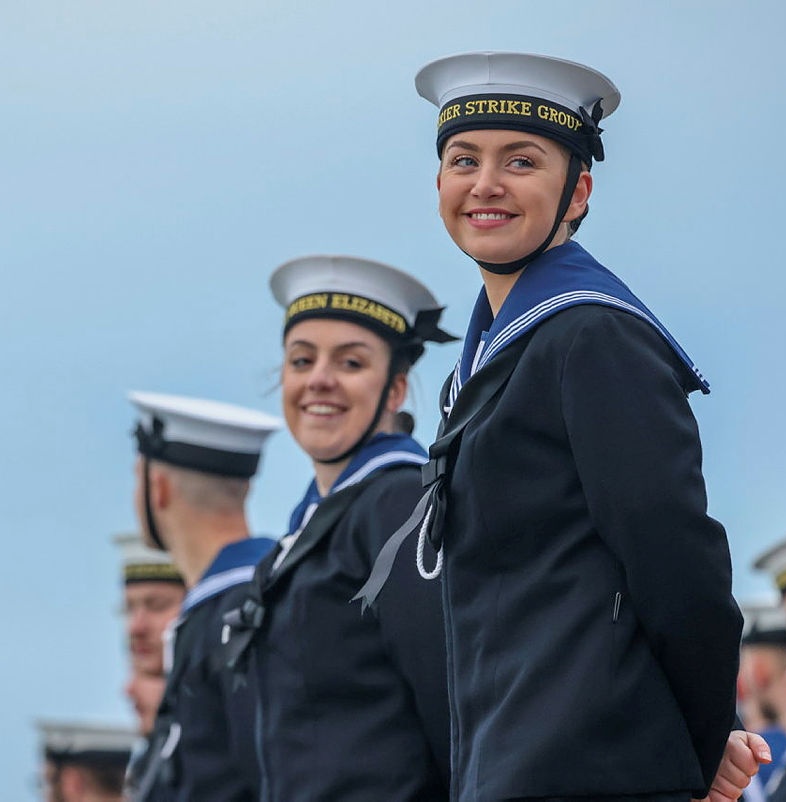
<point>240,699</point>
<point>409,610</point>
<point>638,456</point>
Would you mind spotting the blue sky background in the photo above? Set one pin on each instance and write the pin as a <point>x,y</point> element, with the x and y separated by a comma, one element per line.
<point>158,160</point>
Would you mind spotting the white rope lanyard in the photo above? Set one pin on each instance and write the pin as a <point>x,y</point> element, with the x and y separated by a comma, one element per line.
<point>437,570</point>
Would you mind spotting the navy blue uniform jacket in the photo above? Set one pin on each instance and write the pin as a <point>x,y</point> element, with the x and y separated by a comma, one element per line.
<point>214,759</point>
<point>354,708</point>
<point>592,635</point>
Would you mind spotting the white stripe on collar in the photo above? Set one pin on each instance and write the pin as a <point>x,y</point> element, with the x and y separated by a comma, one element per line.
<point>388,458</point>
<point>455,386</point>
<point>487,350</point>
<point>215,584</point>
<point>531,316</point>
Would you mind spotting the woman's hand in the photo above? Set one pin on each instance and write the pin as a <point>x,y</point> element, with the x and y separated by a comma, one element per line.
<point>741,758</point>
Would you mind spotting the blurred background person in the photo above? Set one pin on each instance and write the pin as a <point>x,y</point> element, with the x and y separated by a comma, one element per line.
<point>83,762</point>
<point>773,562</point>
<point>153,591</point>
<point>193,472</point>
<point>145,692</point>
<point>762,687</point>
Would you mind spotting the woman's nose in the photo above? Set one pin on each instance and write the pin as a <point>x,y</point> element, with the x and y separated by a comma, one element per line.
<point>488,183</point>
<point>322,376</point>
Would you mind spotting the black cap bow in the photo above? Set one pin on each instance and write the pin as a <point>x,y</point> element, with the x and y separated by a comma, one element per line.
<point>592,131</point>
<point>426,328</point>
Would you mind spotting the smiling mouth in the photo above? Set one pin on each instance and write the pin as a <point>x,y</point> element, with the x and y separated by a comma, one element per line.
<point>491,216</point>
<point>322,409</point>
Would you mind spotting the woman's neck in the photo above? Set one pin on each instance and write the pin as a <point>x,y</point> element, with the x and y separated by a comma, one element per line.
<point>499,285</point>
<point>326,474</point>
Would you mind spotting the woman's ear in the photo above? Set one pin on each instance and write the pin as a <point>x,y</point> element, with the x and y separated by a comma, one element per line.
<point>580,198</point>
<point>397,393</point>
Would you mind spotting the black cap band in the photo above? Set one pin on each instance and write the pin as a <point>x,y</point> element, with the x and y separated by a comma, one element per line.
<point>349,307</point>
<point>373,315</point>
<point>576,131</point>
<point>151,444</point>
<point>94,758</point>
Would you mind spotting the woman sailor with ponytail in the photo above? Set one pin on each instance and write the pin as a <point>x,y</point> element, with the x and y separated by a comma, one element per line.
<point>591,633</point>
<point>351,708</point>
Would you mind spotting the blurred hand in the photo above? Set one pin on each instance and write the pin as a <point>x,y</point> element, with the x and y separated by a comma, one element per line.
<point>744,752</point>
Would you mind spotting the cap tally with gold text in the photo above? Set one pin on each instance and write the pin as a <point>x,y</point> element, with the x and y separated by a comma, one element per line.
<point>385,300</point>
<point>143,564</point>
<point>557,99</point>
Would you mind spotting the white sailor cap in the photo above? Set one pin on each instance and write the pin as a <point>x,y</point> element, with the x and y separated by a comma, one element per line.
<point>773,561</point>
<point>85,743</point>
<point>206,436</point>
<point>558,99</point>
<point>143,564</point>
<point>764,624</point>
<point>388,301</point>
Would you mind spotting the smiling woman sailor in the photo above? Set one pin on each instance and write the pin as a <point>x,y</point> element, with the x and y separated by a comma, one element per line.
<point>586,591</point>
<point>351,709</point>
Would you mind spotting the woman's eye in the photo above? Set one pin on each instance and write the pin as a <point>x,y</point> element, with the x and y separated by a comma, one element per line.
<point>521,162</point>
<point>353,364</point>
<point>299,362</point>
<point>463,161</point>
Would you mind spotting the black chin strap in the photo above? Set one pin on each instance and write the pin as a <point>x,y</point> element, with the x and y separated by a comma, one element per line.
<point>571,180</point>
<point>152,529</point>
<point>367,435</point>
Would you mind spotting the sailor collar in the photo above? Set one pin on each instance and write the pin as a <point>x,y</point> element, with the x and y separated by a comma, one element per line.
<point>233,565</point>
<point>382,451</point>
<point>562,277</point>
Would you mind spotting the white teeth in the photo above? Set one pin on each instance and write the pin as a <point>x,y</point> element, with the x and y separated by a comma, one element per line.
<point>322,409</point>
<point>489,216</point>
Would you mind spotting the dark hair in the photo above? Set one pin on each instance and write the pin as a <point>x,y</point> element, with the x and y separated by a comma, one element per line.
<point>402,358</point>
<point>404,422</point>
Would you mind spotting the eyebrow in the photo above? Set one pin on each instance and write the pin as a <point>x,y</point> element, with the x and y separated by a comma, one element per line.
<point>517,145</point>
<point>339,347</point>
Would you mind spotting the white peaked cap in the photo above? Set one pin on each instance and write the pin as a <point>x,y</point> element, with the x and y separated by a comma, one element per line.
<point>552,97</point>
<point>78,739</point>
<point>202,435</point>
<point>565,82</point>
<point>143,564</point>
<point>773,561</point>
<point>372,294</point>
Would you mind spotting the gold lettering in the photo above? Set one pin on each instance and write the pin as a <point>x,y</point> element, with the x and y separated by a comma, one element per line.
<point>339,301</point>
<point>526,108</point>
<point>448,113</point>
<point>543,112</point>
<point>493,107</point>
<point>349,303</point>
<point>358,304</point>
<point>307,303</point>
<point>469,107</point>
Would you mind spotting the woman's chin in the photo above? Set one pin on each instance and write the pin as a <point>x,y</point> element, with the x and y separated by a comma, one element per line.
<point>325,454</point>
